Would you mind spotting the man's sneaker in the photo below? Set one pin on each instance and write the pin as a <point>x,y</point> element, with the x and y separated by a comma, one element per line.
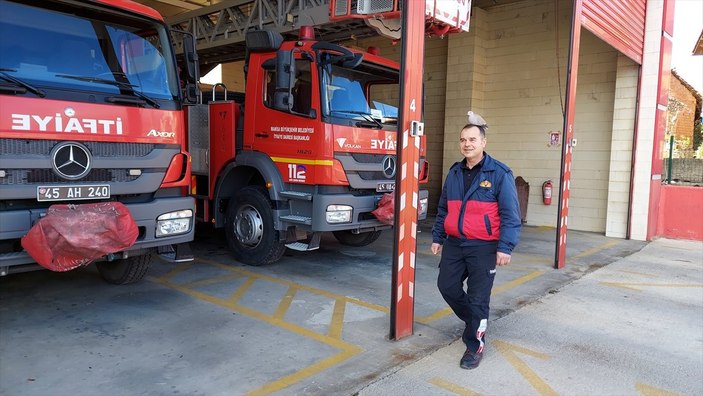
<point>470,360</point>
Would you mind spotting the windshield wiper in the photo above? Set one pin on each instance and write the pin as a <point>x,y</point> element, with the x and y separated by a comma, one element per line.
<point>120,98</point>
<point>369,121</point>
<point>20,83</point>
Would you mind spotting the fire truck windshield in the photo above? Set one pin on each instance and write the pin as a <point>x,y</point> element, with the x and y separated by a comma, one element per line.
<point>69,52</point>
<point>367,93</point>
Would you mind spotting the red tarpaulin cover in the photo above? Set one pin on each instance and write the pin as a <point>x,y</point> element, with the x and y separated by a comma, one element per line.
<point>385,210</point>
<point>73,235</point>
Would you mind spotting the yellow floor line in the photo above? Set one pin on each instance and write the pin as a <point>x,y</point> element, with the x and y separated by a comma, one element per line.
<point>595,250</point>
<point>241,290</point>
<point>496,290</point>
<point>337,321</point>
<point>509,352</point>
<point>177,269</point>
<point>310,289</point>
<point>452,387</point>
<point>334,336</point>
<point>639,273</point>
<point>648,390</point>
<point>639,286</point>
<point>304,373</point>
<point>516,282</point>
<point>212,281</point>
<point>284,305</point>
<point>346,350</point>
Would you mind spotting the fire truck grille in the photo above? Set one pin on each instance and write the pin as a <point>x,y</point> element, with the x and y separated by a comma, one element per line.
<point>41,151</point>
<point>367,175</point>
<point>97,149</point>
<point>33,176</point>
<point>368,158</point>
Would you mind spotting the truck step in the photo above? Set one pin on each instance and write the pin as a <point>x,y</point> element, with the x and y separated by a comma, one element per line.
<point>296,195</point>
<point>297,219</point>
<point>301,246</point>
<point>313,244</point>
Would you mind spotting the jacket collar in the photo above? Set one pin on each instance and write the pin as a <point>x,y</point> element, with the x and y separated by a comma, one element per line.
<point>488,164</point>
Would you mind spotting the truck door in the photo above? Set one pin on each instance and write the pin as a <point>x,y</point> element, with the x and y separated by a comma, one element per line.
<point>292,137</point>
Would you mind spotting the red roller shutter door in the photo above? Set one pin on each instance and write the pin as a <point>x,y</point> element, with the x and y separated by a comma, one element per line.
<point>619,23</point>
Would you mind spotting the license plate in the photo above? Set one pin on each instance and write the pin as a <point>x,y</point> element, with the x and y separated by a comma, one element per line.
<point>71,193</point>
<point>384,187</point>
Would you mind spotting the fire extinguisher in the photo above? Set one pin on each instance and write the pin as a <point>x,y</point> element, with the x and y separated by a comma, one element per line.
<point>547,192</point>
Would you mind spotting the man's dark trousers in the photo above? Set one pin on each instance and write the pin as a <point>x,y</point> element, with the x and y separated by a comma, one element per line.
<point>476,265</point>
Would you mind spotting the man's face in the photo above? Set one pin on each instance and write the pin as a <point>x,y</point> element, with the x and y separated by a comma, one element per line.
<point>471,144</point>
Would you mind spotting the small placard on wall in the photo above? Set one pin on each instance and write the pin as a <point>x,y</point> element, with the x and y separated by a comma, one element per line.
<point>553,138</point>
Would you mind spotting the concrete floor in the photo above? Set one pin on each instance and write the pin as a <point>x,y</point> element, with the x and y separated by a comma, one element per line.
<point>633,327</point>
<point>313,323</point>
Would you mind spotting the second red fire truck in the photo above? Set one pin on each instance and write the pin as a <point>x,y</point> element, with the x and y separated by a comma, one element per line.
<point>310,148</point>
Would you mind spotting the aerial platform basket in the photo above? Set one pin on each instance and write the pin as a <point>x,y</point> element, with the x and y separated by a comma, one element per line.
<point>441,16</point>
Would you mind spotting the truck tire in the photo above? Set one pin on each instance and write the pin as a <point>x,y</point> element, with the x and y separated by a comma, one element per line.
<point>347,238</point>
<point>249,228</point>
<point>124,271</point>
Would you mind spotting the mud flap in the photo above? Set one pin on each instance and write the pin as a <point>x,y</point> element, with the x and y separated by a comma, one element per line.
<point>70,236</point>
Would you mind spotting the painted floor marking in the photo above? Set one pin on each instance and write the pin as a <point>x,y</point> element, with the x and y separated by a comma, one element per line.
<point>648,390</point>
<point>212,281</point>
<point>595,249</point>
<point>640,286</point>
<point>285,303</point>
<point>241,290</point>
<point>335,329</point>
<point>638,273</point>
<point>452,387</point>
<point>496,290</point>
<point>337,323</point>
<point>510,351</point>
<point>333,338</point>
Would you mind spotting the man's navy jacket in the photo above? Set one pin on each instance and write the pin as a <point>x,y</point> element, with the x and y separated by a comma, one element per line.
<point>489,211</point>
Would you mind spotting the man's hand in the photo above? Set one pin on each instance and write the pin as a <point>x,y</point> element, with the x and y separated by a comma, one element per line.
<point>435,248</point>
<point>502,259</point>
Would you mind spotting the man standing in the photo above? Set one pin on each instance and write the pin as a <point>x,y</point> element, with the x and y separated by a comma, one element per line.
<point>477,228</point>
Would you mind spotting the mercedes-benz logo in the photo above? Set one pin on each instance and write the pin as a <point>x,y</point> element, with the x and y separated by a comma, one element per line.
<point>71,160</point>
<point>388,165</point>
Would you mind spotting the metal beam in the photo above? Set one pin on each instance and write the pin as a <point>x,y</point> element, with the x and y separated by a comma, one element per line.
<point>180,3</point>
<point>220,29</point>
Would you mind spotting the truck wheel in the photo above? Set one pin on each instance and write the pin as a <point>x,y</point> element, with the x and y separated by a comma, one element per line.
<point>347,238</point>
<point>249,228</point>
<point>124,271</point>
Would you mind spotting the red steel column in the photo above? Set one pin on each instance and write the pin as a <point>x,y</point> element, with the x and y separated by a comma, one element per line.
<point>567,148</point>
<point>408,154</point>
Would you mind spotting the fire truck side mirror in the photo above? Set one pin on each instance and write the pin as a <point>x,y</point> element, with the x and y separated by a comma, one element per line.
<point>191,59</point>
<point>285,76</point>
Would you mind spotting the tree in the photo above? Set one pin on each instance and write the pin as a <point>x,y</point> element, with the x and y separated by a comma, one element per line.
<point>697,135</point>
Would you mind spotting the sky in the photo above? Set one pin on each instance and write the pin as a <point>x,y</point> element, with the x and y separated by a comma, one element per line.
<point>688,24</point>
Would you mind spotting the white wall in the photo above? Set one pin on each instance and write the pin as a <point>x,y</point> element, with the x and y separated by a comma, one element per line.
<point>621,147</point>
<point>645,134</point>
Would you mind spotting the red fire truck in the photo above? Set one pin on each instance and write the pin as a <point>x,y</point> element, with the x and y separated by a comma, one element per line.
<point>310,148</point>
<point>91,111</point>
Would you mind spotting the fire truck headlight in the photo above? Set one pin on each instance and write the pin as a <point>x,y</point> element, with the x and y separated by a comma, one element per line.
<point>423,207</point>
<point>339,214</point>
<point>174,223</point>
